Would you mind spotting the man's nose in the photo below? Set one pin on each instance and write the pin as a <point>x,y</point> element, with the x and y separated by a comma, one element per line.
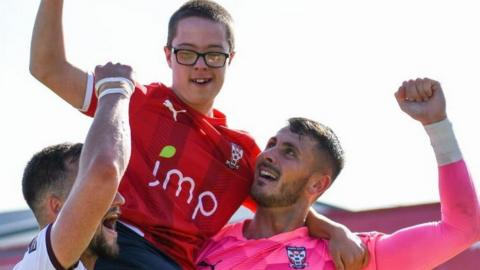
<point>269,155</point>
<point>118,200</point>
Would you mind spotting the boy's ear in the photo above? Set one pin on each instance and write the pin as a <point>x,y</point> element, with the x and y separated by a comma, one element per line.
<point>168,55</point>
<point>232,54</point>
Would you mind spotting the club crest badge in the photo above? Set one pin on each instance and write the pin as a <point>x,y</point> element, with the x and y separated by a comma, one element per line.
<point>297,257</point>
<point>237,154</point>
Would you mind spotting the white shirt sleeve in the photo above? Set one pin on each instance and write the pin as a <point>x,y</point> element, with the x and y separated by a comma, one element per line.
<point>40,256</point>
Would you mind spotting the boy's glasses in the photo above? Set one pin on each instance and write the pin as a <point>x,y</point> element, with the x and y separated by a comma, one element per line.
<point>190,58</point>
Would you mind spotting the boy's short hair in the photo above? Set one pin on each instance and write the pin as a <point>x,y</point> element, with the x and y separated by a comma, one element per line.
<point>204,9</point>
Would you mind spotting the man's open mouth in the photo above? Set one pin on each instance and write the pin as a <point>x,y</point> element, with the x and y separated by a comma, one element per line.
<point>268,173</point>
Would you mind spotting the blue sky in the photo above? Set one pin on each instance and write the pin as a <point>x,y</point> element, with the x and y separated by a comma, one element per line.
<point>338,62</point>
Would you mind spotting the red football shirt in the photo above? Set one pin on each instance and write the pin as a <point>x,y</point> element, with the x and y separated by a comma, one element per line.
<point>187,174</point>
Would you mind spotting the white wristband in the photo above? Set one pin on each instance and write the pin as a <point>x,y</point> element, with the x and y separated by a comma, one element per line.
<point>130,84</point>
<point>444,142</point>
<point>114,91</point>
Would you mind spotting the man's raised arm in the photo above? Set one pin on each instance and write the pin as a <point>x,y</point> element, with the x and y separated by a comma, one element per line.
<point>48,61</point>
<point>428,245</point>
<point>103,161</point>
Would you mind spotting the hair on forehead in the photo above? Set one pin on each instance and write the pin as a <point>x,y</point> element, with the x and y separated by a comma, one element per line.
<point>206,9</point>
<point>326,140</point>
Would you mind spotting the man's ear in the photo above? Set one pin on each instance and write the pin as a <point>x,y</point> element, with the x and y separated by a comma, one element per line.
<point>168,55</point>
<point>318,183</point>
<point>54,205</point>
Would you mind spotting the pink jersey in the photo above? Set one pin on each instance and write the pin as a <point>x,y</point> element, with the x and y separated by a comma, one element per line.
<point>291,250</point>
<point>420,247</point>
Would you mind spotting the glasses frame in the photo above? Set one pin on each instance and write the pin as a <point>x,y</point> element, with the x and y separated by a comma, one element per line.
<point>203,55</point>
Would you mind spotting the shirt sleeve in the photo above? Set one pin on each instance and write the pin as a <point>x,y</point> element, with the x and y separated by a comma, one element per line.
<point>38,255</point>
<point>90,100</point>
<point>428,245</point>
<point>250,204</point>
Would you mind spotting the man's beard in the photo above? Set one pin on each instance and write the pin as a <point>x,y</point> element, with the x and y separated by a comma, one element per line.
<point>101,248</point>
<point>288,195</point>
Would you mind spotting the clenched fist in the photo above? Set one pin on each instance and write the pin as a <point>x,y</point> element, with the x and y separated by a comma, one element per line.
<point>110,70</point>
<point>423,100</point>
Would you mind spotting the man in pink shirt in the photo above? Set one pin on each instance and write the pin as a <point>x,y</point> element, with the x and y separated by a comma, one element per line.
<point>302,161</point>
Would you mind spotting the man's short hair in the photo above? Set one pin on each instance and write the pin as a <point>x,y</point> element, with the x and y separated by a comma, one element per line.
<point>327,141</point>
<point>204,9</point>
<point>50,171</point>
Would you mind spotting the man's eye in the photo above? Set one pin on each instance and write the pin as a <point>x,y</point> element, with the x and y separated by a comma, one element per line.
<point>290,152</point>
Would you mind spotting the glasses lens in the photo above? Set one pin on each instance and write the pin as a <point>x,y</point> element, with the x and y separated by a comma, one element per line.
<point>215,59</point>
<point>186,57</point>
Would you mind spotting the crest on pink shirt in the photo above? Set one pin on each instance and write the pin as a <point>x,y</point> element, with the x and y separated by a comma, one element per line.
<point>297,257</point>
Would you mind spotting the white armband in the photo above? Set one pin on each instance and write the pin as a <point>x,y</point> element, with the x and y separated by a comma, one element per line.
<point>88,92</point>
<point>444,142</point>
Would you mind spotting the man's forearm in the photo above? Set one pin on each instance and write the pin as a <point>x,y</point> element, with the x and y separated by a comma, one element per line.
<point>459,201</point>
<point>320,226</point>
<point>459,227</point>
<point>104,158</point>
<point>346,248</point>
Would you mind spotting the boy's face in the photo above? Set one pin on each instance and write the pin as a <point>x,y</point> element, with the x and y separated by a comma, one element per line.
<point>198,85</point>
